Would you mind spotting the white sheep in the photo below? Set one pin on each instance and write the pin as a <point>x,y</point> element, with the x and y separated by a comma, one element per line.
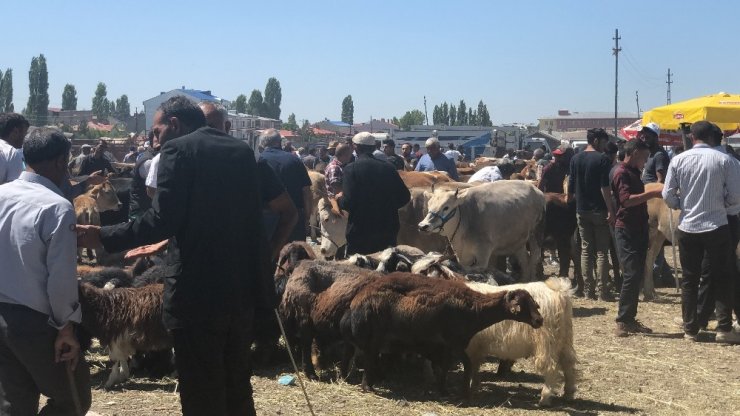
<point>551,346</point>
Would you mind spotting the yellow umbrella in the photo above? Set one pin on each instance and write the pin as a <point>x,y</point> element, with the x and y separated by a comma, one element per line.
<point>722,109</point>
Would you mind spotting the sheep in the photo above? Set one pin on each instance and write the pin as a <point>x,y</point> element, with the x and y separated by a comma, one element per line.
<point>112,277</point>
<point>316,295</point>
<point>288,259</point>
<point>126,320</point>
<point>392,259</point>
<point>551,346</point>
<point>433,317</point>
<point>446,267</point>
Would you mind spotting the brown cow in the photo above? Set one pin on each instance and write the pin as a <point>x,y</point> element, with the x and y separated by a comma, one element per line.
<point>88,206</point>
<point>416,179</point>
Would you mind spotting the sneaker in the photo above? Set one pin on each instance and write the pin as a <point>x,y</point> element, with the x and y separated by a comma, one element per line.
<point>690,337</point>
<point>634,327</point>
<point>728,337</point>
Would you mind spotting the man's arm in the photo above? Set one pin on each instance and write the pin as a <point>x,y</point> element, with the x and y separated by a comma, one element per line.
<point>453,170</point>
<point>346,199</point>
<point>61,262</point>
<point>670,190</point>
<point>732,186</point>
<point>287,213</point>
<point>418,164</point>
<point>628,199</point>
<point>571,181</point>
<point>661,166</point>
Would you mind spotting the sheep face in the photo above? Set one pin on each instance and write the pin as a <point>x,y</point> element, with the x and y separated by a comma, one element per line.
<point>523,308</point>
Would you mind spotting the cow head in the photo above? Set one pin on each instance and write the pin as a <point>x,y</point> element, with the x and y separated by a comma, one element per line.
<point>333,230</point>
<point>442,207</point>
<point>522,308</point>
<point>105,197</point>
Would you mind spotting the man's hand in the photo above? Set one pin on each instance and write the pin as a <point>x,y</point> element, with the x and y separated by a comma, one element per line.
<point>95,178</point>
<point>145,251</point>
<point>611,218</point>
<point>658,192</point>
<point>66,347</point>
<point>88,236</point>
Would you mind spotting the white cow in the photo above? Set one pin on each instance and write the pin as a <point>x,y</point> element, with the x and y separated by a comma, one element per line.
<point>495,219</point>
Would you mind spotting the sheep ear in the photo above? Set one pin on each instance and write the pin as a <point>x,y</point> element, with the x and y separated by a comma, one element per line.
<point>512,300</point>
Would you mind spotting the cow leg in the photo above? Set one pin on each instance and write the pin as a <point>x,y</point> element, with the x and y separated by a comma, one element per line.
<point>535,258</point>
<point>525,263</point>
<point>656,240</point>
<point>564,255</point>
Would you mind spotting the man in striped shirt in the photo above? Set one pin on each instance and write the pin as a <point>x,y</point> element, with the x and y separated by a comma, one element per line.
<point>705,185</point>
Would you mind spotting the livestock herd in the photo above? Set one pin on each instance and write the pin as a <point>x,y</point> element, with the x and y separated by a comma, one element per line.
<point>443,294</point>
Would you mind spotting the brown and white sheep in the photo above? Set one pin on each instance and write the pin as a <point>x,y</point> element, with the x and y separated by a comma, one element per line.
<point>551,346</point>
<point>433,317</point>
<point>125,320</point>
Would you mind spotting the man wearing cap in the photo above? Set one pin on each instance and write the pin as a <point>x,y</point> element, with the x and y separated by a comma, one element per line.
<point>372,193</point>
<point>705,185</point>
<point>332,148</point>
<point>436,160</point>
<point>554,173</point>
<point>657,165</point>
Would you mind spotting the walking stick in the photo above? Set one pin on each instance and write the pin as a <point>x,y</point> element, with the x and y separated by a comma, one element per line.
<point>73,388</point>
<point>295,366</point>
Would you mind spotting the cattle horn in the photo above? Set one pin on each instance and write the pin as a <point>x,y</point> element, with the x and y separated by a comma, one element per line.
<point>456,192</point>
<point>433,182</point>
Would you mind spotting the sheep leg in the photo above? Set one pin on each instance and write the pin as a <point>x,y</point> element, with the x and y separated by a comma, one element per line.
<point>371,370</point>
<point>475,374</point>
<point>348,353</point>
<point>523,258</point>
<point>306,348</point>
<point>113,377</point>
<point>551,382</point>
<point>568,365</point>
<point>504,367</point>
<point>467,376</point>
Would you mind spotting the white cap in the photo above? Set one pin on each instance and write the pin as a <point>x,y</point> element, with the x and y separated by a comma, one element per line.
<point>364,138</point>
<point>652,127</point>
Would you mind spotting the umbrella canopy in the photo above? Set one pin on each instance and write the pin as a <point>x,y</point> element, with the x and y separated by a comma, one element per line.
<point>722,109</point>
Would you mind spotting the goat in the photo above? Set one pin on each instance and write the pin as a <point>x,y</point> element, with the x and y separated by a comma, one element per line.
<point>551,346</point>
<point>89,205</point>
<point>433,317</point>
<point>125,320</point>
<point>112,277</point>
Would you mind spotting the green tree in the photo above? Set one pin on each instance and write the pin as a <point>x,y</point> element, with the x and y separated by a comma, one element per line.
<point>445,114</point>
<point>291,125</point>
<point>411,118</point>
<point>472,117</point>
<point>69,97</point>
<point>396,121</point>
<point>348,110</point>
<point>37,109</point>
<point>484,118</point>
<point>123,108</point>
<point>437,115</point>
<point>100,105</point>
<point>305,131</point>
<point>255,105</point>
<point>273,97</point>
<point>240,104</point>
<point>111,108</point>
<point>462,114</point>
<point>6,92</point>
<point>453,115</point>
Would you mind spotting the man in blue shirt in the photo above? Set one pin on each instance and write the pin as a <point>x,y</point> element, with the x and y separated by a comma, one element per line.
<point>436,160</point>
<point>38,290</point>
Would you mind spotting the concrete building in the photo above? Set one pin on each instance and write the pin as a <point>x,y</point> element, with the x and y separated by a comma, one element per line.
<point>58,116</point>
<point>569,121</point>
<point>374,126</point>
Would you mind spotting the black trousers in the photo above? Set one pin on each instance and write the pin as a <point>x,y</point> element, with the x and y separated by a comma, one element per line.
<point>706,291</point>
<point>632,247</point>
<point>714,248</point>
<point>212,360</point>
<point>27,367</point>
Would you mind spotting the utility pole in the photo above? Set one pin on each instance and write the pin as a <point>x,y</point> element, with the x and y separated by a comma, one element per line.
<point>616,51</point>
<point>637,99</point>
<point>426,116</point>
<point>669,82</point>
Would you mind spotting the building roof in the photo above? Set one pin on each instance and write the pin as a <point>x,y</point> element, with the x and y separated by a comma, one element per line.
<point>99,126</point>
<point>338,123</point>
<point>197,95</point>
<point>588,114</point>
<point>287,134</point>
<point>321,132</point>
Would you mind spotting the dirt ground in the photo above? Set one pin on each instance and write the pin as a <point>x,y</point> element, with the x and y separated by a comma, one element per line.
<point>658,374</point>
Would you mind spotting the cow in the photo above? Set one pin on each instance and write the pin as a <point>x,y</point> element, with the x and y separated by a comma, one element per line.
<point>88,206</point>
<point>662,226</point>
<point>416,179</point>
<point>495,219</point>
<point>560,226</point>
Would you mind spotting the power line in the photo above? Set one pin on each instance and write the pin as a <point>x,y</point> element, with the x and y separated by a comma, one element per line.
<point>616,51</point>
<point>669,82</point>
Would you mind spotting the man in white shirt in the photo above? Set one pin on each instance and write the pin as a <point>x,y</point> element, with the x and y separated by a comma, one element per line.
<point>705,185</point>
<point>493,173</point>
<point>453,154</point>
<point>38,290</point>
<point>13,128</point>
<point>151,177</point>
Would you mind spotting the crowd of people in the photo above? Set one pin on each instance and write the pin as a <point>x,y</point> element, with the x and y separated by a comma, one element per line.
<point>224,212</point>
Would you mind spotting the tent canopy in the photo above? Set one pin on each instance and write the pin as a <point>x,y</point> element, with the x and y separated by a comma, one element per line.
<point>482,140</point>
<point>722,109</point>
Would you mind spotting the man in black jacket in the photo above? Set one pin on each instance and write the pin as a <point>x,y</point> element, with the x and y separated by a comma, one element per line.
<point>372,194</point>
<point>208,204</point>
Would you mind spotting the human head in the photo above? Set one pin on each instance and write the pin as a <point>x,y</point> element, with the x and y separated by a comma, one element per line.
<point>406,149</point>
<point>332,147</point>
<point>271,138</point>
<point>98,151</point>
<point>562,153</point>
<point>322,152</point>
<point>389,147</point>
<point>343,153</point>
<point>451,146</point>
<point>432,146</point>
<point>506,169</point>
<point>176,117</point>
<point>46,152</point>
<point>216,115</point>
<point>703,131</point>
<point>538,154</point>
<point>364,143</point>
<point>288,146</point>
<point>13,128</point>
<point>312,151</point>
<point>416,147</point>
<point>717,135</point>
<point>597,138</point>
<point>140,149</point>
<point>85,149</point>
<point>650,133</point>
<point>636,153</point>
<point>378,145</point>
<point>611,151</point>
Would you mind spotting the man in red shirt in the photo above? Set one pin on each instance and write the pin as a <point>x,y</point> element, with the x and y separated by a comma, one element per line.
<point>631,232</point>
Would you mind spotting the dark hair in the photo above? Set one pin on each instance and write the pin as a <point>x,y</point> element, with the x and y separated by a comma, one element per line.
<point>184,110</point>
<point>634,145</point>
<point>718,135</point>
<point>611,148</point>
<point>506,169</point>
<point>451,146</point>
<point>703,130</point>
<point>594,134</point>
<point>11,121</point>
<point>44,144</point>
<point>389,142</point>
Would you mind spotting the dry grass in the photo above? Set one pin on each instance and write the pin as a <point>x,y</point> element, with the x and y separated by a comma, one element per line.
<point>660,374</point>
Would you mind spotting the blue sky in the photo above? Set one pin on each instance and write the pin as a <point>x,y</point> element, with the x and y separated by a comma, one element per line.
<point>524,59</point>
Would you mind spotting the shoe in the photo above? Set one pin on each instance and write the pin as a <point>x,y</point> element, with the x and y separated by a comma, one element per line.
<point>690,337</point>
<point>579,294</point>
<point>634,327</point>
<point>606,297</point>
<point>728,337</point>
